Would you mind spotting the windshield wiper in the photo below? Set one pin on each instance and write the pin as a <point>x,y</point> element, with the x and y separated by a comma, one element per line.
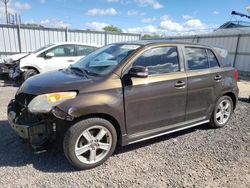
<point>92,73</point>
<point>82,71</point>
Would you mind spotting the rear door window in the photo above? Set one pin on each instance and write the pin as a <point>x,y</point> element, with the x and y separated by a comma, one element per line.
<point>196,58</point>
<point>213,62</point>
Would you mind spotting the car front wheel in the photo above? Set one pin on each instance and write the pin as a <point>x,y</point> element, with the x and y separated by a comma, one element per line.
<point>222,112</point>
<point>89,143</point>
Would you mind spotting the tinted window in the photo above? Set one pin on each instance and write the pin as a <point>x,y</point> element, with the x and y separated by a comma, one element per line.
<point>223,54</point>
<point>196,58</point>
<point>84,50</point>
<point>212,59</point>
<point>159,60</point>
<point>63,51</point>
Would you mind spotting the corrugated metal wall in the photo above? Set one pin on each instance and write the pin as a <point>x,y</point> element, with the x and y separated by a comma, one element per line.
<point>15,39</point>
<point>8,39</point>
<point>238,47</point>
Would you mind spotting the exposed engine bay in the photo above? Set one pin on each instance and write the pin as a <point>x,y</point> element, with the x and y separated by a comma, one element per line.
<point>11,66</point>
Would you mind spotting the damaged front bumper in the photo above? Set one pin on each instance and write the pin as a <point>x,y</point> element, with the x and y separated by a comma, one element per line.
<point>13,70</point>
<point>37,132</point>
<point>15,73</point>
<point>4,69</point>
<point>39,129</point>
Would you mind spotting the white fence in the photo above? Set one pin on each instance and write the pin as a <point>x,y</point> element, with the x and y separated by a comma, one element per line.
<point>17,39</point>
<point>237,45</point>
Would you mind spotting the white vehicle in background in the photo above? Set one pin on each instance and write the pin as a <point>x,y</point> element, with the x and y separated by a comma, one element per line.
<point>48,58</point>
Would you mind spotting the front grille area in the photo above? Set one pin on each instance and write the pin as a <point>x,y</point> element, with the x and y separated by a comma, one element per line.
<point>37,128</point>
<point>24,116</point>
<point>24,99</point>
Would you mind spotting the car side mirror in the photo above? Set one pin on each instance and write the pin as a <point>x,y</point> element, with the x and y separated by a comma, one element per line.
<point>49,55</point>
<point>138,72</point>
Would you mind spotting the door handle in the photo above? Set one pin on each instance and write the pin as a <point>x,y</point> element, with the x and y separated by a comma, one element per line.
<point>218,77</point>
<point>70,60</point>
<point>180,84</point>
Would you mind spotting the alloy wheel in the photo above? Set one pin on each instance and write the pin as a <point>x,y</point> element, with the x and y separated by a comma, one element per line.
<point>223,111</point>
<point>93,144</point>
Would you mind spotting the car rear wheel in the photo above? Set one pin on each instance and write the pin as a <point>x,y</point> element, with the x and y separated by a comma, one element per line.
<point>222,112</point>
<point>29,73</point>
<point>89,143</point>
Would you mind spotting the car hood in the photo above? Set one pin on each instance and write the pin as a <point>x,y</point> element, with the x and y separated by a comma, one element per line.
<point>55,81</point>
<point>12,58</point>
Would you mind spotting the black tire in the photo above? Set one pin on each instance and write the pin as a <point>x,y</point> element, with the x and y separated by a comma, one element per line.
<point>29,73</point>
<point>71,139</point>
<point>213,120</point>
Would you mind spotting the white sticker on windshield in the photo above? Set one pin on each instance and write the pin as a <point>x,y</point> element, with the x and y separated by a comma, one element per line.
<point>130,47</point>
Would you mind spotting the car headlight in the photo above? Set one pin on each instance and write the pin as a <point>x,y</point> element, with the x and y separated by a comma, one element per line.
<point>45,103</point>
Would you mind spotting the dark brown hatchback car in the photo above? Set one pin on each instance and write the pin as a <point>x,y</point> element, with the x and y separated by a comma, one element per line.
<point>125,93</point>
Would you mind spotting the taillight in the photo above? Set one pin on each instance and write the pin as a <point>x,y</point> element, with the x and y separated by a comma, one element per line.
<point>236,75</point>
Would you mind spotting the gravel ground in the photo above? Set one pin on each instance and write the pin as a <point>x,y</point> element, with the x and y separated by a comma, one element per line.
<point>198,157</point>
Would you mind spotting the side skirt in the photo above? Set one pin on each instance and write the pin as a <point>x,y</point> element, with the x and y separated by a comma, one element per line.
<point>154,133</point>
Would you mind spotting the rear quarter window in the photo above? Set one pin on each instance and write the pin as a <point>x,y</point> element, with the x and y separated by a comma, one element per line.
<point>223,57</point>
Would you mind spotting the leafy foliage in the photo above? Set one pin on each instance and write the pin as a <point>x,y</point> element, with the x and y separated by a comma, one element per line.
<point>147,36</point>
<point>113,29</point>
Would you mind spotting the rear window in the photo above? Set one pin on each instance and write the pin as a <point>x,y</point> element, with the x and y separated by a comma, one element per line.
<point>196,58</point>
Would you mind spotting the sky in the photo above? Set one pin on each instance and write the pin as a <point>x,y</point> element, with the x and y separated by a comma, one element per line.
<point>169,17</point>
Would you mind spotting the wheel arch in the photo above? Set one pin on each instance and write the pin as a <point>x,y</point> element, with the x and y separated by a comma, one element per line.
<point>107,117</point>
<point>30,67</point>
<point>233,97</point>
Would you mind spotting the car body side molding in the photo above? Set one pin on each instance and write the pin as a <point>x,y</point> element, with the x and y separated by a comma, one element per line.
<point>170,131</point>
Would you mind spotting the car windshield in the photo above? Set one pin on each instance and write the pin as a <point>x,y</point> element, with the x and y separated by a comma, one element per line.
<point>104,60</point>
<point>42,48</point>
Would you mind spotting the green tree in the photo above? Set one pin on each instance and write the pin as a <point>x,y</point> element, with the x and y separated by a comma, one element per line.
<point>112,28</point>
<point>32,25</point>
<point>147,36</point>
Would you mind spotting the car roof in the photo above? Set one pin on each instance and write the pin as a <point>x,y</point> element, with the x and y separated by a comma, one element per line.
<point>155,42</point>
<point>79,43</point>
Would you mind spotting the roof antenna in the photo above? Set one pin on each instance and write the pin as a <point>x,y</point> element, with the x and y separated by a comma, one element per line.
<point>240,14</point>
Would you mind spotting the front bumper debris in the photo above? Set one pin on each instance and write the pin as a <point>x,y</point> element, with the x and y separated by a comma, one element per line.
<point>37,132</point>
<point>4,69</point>
<point>22,130</point>
<point>13,70</point>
